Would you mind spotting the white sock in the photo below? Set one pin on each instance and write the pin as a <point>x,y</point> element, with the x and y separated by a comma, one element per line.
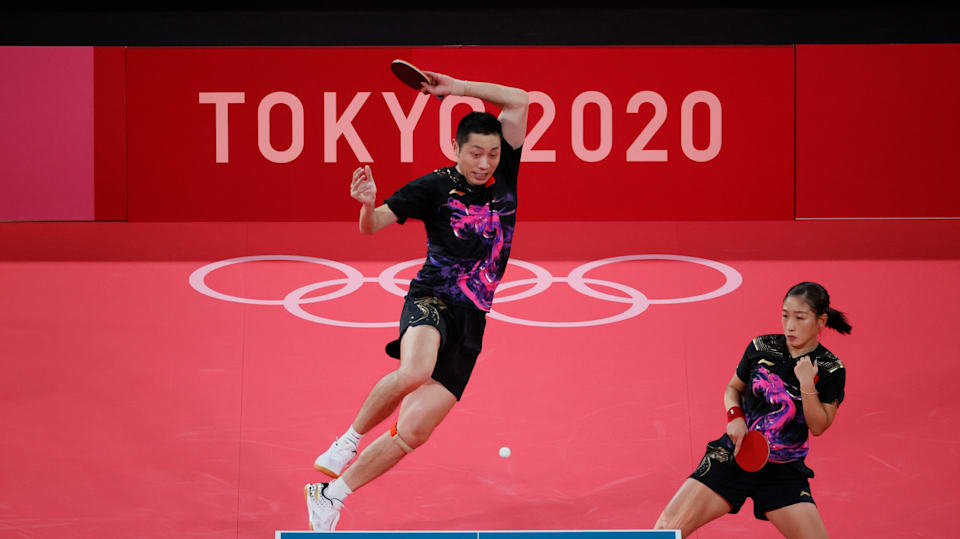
<point>337,491</point>
<point>352,437</point>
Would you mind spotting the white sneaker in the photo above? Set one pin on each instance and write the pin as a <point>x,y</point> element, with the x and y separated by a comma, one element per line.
<point>336,458</point>
<point>322,512</point>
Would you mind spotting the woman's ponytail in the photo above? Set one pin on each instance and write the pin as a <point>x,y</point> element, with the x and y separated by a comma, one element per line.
<point>837,321</point>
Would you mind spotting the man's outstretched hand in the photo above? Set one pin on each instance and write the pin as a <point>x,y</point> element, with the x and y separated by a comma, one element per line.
<point>362,188</point>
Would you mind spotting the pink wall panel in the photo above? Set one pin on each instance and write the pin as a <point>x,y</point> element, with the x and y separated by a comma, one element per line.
<point>877,131</point>
<point>46,139</point>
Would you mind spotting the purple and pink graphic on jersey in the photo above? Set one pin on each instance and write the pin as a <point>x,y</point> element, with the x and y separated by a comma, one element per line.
<point>478,282</point>
<point>771,388</point>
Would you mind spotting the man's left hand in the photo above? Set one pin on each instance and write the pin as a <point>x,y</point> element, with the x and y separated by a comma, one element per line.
<point>441,85</point>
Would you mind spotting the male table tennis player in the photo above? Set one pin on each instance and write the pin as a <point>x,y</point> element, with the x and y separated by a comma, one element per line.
<point>469,211</point>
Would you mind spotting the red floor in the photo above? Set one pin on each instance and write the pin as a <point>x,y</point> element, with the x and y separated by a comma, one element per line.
<point>135,406</point>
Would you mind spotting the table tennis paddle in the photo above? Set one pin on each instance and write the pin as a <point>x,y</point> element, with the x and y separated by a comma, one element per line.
<point>408,74</point>
<point>754,451</point>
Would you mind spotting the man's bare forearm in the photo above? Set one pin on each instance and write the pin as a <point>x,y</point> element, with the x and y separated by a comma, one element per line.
<point>502,96</point>
<point>373,219</point>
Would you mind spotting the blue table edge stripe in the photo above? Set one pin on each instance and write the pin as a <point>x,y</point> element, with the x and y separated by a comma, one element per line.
<point>594,534</point>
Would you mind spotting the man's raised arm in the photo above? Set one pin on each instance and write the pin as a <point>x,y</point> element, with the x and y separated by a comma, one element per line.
<point>513,102</point>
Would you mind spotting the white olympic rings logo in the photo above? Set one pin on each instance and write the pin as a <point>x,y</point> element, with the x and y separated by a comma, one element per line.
<point>388,280</point>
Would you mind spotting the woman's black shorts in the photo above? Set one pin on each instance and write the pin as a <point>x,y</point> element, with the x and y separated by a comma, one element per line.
<point>774,486</point>
<point>461,337</point>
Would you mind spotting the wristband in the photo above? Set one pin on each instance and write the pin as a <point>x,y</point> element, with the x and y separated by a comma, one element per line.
<point>459,87</point>
<point>733,413</point>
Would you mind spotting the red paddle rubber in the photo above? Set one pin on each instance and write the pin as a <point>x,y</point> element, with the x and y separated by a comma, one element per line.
<point>754,451</point>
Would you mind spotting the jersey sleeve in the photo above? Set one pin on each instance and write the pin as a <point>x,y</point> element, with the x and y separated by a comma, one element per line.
<point>831,384</point>
<point>412,200</point>
<point>746,362</point>
<point>509,161</point>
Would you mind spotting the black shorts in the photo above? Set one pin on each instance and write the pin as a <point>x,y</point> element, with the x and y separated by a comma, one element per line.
<point>774,486</point>
<point>461,337</point>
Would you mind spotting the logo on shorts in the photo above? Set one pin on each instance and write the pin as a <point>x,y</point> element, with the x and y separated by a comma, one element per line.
<point>805,493</point>
<point>429,307</point>
<point>718,454</point>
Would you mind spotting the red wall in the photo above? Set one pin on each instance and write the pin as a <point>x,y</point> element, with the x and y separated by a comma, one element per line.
<point>812,131</point>
<point>877,131</point>
<point>110,133</point>
<point>571,174</point>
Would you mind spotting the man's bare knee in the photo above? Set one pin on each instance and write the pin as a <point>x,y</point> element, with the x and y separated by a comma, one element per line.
<point>417,436</point>
<point>409,440</point>
<point>414,431</point>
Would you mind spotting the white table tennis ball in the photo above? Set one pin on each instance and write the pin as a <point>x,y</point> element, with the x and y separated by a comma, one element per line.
<point>504,452</point>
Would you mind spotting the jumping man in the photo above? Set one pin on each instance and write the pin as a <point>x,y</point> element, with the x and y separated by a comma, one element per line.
<point>469,212</point>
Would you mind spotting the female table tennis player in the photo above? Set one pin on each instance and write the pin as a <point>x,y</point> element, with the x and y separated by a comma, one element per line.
<point>785,386</point>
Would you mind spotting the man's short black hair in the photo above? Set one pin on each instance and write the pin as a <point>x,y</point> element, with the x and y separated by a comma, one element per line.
<point>482,123</point>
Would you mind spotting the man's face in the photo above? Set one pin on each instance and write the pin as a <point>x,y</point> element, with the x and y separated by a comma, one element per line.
<point>478,157</point>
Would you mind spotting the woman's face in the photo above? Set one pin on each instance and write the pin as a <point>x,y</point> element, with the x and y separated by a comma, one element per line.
<point>800,324</point>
